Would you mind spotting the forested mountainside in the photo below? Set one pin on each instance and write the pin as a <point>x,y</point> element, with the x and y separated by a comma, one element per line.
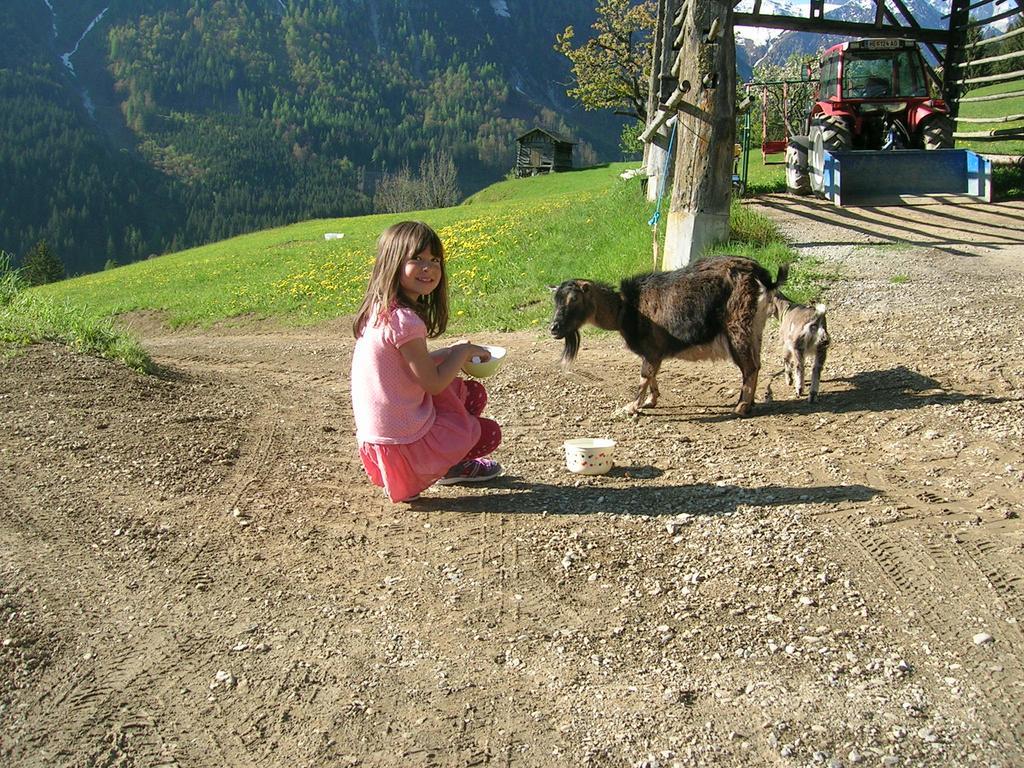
<point>134,127</point>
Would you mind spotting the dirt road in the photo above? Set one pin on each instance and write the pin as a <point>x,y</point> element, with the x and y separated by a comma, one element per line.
<point>194,571</point>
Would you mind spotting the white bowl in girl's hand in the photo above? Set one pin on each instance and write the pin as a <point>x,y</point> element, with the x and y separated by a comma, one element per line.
<point>481,370</point>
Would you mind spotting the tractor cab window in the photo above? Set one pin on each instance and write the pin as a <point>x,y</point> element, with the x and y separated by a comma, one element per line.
<point>883,74</point>
<point>910,75</point>
<point>829,76</point>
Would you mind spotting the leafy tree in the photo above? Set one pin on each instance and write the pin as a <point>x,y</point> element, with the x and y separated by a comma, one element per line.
<point>629,140</point>
<point>610,69</point>
<point>971,51</point>
<point>41,265</point>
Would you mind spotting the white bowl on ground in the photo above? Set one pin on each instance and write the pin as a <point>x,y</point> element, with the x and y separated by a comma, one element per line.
<point>589,455</point>
<point>481,370</point>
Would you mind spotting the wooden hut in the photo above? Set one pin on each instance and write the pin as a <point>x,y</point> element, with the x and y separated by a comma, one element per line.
<point>542,151</point>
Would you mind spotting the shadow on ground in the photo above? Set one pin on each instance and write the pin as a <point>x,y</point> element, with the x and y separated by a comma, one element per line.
<point>519,496</point>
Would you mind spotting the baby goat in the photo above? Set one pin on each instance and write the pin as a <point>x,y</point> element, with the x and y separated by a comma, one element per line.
<point>804,332</point>
<point>712,310</point>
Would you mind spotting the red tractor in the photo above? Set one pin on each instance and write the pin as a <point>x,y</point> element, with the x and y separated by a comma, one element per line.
<point>871,94</point>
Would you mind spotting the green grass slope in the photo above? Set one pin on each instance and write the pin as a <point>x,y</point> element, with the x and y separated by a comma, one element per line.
<point>995,110</point>
<point>504,247</point>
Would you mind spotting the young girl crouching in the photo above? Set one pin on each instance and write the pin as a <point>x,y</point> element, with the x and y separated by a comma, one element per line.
<point>417,423</point>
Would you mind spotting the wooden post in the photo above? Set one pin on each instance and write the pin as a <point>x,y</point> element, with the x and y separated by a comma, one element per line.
<point>661,84</point>
<point>706,132</point>
<point>652,98</point>
<point>952,88</point>
<point>656,152</point>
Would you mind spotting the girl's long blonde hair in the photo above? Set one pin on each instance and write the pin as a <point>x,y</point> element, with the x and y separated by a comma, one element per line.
<point>394,246</point>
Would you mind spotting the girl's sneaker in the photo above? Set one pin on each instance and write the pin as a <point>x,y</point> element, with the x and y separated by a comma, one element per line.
<point>472,471</point>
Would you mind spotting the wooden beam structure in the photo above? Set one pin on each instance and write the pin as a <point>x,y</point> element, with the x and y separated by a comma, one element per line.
<point>835,27</point>
<point>993,97</point>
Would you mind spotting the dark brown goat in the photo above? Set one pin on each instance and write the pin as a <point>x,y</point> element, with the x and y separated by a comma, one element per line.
<point>712,310</point>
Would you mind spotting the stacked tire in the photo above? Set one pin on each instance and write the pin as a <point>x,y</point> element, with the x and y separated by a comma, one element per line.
<point>937,133</point>
<point>828,133</point>
<point>798,179</point>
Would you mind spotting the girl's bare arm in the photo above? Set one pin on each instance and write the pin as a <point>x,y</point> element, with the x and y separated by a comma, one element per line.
<point>441,353</point>
<point>433,370</point>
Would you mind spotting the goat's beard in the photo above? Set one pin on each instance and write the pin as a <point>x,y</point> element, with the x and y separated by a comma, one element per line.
<point>572,346</point>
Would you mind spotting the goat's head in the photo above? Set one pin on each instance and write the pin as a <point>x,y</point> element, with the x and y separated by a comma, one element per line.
<point>574,306</point>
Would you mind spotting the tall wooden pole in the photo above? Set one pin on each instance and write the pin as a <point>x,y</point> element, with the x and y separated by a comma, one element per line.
<point>660,86</point>
<point>706,131</point>
<point>959,18</point>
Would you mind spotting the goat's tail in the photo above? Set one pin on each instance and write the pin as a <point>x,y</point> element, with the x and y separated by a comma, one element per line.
<point>780,278</point>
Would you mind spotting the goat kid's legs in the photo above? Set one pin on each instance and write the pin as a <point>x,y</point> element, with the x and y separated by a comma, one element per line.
<point>798,371</point>
<point>819,362</point>
<point>793,360</point>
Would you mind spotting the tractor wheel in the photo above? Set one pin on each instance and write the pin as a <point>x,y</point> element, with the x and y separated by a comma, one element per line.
<point>798,181</point>
<point>937,133</point>
<point>828,132</point>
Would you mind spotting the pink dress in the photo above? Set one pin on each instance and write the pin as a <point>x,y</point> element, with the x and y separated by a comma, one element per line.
<point>407,438</point>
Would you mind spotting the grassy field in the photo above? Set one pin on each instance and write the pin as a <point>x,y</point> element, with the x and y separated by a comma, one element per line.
<point>26,318</point>
<point>1013,106</point>
<point>1008,182</point>
<point>762,177</point>
<point>504,246</point>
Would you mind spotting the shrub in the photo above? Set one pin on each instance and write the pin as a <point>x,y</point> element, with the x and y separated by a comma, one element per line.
<point>42,265</point>
<point>436,186</point>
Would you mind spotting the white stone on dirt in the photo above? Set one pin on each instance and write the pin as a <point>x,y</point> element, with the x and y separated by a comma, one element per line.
<point>676,524</point>
<point>982,638</point>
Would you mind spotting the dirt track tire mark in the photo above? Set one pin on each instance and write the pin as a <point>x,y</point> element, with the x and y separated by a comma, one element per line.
<point>920,575</point>
<point>1005,577</point>
<point>119,716</point>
